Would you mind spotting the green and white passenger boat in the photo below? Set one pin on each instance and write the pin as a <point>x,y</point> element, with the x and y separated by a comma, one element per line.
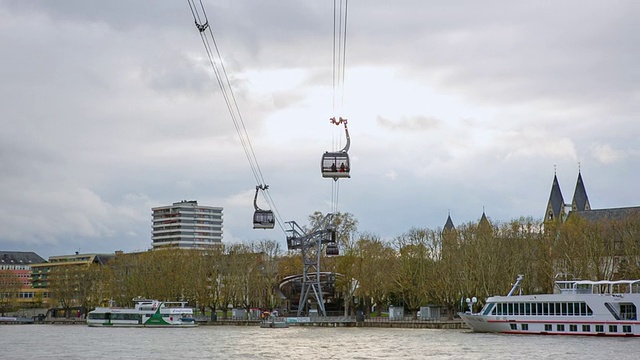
<point>146,313</point>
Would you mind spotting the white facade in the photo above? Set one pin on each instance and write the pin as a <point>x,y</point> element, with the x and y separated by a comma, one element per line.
<point>186,225</point>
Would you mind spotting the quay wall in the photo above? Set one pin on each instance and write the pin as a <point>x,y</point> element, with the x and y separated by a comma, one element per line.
<point>445,324</point>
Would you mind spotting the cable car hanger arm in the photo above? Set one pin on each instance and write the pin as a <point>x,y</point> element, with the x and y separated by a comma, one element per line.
<point>346,130</point>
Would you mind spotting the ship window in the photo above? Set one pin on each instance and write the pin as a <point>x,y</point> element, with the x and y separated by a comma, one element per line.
<point>600,328</point>
<point>570,309</point>
<point>558,309</point>
<point>626,328</point>
<point>527,309</point>
<point>488,309</point>
<point>516,309</point>
<point>628,311</point>
<point>564,309</point>
<point>576,309</point>
<point>573,327</point>
<point>586,328</point>
<point>510,309</point>
<point>513,326</point>
<point>548,327</point>
<point>521,308</point>
<point>560,327</point>
<point>583,309</point>
<point>525,326</point>
<point>613,328</point>
<point>99,316</point>
<point>539,308</point>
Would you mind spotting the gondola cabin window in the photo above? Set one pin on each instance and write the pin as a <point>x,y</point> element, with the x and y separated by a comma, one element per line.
<point>336,165</point>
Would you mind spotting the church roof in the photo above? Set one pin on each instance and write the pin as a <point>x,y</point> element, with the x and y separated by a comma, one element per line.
<point>580,199</point>
<point>556,201</point>
<point>607,214</point>
<point>449,224</point>
<point>484,221</point>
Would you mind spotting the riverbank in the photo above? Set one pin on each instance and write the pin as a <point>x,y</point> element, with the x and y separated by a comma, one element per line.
<point>317,322</point>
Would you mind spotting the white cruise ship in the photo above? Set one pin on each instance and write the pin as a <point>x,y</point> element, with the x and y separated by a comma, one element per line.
<point>577,307</point>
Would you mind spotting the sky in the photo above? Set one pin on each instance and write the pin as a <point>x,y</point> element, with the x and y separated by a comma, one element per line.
<point>108,109</point>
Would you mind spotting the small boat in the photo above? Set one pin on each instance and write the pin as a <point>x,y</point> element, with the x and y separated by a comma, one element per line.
<point>146,313</point>
<point>577,307</point>
<point>273,321</point>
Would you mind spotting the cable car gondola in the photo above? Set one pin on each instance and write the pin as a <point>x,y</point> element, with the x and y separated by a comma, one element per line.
<point>262,219</point>
<point>336,165</point>
<point>332,250</point>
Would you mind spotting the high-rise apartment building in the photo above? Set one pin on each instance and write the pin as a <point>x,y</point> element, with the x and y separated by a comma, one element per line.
<point>186,225</point>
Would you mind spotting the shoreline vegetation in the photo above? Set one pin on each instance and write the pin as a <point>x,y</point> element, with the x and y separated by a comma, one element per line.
<point>420,267</point>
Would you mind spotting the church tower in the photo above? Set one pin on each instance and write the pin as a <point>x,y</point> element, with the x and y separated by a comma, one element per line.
<point>484,221</point>
<point>555,206</point>
<point>580,199</point>
<point>448,225</point>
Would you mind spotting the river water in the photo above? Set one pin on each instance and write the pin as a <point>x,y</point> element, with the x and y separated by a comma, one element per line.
<point>252,342</point>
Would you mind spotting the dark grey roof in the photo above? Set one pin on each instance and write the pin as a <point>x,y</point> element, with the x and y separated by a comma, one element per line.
<point>556,201</point>
<point>448,226</point>
<point>20,258</point>
<point>580,199</point>
<point>607,214</point>
<point>102,259</point>
<point>484,221</point>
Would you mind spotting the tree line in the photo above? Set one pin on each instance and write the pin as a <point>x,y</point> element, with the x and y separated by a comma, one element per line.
<point>417,268</point>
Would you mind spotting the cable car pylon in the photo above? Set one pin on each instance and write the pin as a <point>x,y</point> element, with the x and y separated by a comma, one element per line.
<point>310,245</point>
<point>336,165</point>
<point>262,219</point>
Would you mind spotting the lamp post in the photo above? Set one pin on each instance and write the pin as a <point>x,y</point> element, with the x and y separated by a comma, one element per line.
<point>470,303</point>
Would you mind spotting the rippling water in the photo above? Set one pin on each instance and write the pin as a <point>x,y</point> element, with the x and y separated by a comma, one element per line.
<point>252,342</point>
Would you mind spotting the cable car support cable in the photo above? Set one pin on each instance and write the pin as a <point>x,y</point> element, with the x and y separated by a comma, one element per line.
<point>215,60</point>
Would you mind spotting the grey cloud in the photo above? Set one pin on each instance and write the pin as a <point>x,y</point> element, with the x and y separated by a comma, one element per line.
<point>420,123</point>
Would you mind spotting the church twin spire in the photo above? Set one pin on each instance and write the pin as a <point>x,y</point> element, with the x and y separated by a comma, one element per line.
<point>556,205</point>
<point>580,199</point>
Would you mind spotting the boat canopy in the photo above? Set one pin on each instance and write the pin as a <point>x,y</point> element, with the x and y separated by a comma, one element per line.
<point>598,287</point>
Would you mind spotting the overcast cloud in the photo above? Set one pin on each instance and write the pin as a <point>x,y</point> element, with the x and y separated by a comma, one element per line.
<point>109,109</point>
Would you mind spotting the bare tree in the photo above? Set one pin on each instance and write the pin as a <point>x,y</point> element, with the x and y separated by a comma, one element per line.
<point>10,285</point>
<point>377,260</point>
